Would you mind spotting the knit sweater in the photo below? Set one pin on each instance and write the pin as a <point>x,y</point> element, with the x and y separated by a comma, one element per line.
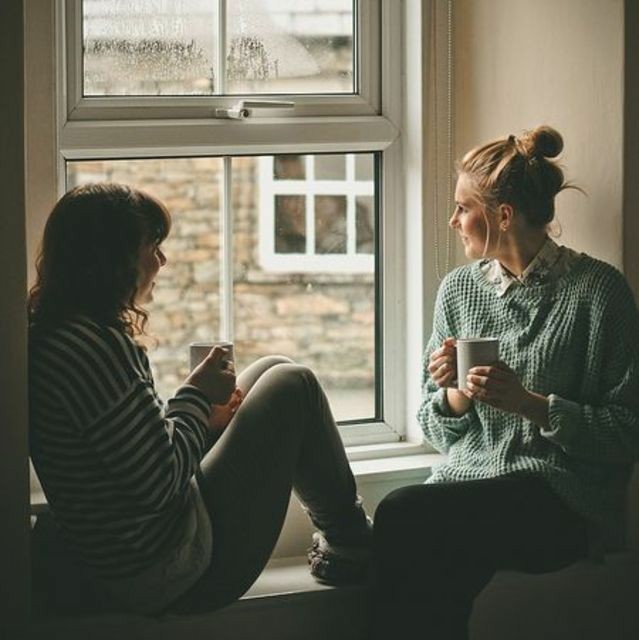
<point>115,464</point>
<point>574,340</point>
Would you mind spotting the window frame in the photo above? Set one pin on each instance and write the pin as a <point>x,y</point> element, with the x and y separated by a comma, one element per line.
<point>365,101</point>
<point>176,129</point>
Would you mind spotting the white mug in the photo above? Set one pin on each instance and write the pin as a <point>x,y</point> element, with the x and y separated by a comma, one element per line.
<point>474,352</point>
<point>199,350</point>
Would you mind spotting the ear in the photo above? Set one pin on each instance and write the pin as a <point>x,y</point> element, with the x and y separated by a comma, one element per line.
<point>505,214</point>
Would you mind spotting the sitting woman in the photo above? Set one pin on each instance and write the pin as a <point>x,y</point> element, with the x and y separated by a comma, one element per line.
<point>175,506</point>
<point>540,445</point>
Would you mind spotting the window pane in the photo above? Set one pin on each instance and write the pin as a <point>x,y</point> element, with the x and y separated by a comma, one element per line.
<point>324,319</point>
<point>365,224</point>
<point>149,47</point>
<point>290,224</point>
<point>302,315</point>
<point>330,167</point>
<point>170,47</point>
<point>330,224</point>
<point>289,167</point>
<point>186,304</point>
<point>288,46</point>
<point>364,166</point>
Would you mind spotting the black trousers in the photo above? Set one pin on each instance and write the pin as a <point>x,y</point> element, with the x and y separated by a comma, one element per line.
<point>437,546</point>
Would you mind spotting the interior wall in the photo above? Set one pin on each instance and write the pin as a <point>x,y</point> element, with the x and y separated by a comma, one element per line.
<point>631,146</point>
<point>14,486</point>
<point>519,64</point>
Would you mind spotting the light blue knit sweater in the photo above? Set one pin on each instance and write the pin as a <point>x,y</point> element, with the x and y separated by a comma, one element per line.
<point>575,340</point>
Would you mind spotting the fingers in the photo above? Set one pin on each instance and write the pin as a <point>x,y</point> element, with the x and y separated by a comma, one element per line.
<point>218,354</point>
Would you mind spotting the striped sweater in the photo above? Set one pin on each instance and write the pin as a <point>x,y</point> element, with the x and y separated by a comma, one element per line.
<point>575,340</point>
<point>115,465</point>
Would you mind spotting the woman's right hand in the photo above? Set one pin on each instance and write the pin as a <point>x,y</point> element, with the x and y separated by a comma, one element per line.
<point>214,376</point>
<point>443,370</point>
<point>442,364</point>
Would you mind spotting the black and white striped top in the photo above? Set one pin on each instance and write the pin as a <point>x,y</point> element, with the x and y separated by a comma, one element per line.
<point>114,463</point>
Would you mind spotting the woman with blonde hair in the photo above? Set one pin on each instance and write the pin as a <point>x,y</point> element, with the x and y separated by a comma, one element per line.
<point>160,506</point>
<point>540,444</point>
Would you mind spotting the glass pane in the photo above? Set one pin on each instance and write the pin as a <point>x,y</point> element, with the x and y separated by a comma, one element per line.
<point>330,224</point>
<point>149,47</point>
<point>289,167</point>
<point>365,224</point>
<point>290,224</point>
<point>364,166</point>
<point>302,315</point>
<point>330,167</point>
<point>288,46</point>
<point>186,304</point>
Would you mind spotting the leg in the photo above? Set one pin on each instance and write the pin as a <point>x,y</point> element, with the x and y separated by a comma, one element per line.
<point>283,435</point>
<point>436,547</point>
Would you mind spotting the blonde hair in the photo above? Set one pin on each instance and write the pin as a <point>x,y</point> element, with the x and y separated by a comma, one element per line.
<point>518,171</point>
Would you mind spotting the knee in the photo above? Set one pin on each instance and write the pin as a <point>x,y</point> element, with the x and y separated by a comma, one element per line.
<point>289,378</point>
<point>267,362</point>
<point>393,510</point>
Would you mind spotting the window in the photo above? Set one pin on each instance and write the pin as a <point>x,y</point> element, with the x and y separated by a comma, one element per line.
<point>216,47</point>
<point>281,239</point>
<point>318,213</point>
<point>273,312</point>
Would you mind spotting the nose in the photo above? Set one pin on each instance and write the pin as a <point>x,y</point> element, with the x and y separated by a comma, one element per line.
<point>162,257</point>
<point>453,222</point>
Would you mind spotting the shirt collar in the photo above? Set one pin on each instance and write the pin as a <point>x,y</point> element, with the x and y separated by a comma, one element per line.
<point>543,267</point>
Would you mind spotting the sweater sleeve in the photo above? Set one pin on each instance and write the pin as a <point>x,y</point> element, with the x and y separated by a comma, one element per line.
<point>605,429</point>
<point>148,453</point>
<point>440,428</point>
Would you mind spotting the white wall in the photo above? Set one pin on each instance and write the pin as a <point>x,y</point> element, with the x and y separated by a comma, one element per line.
<point>519,63</point>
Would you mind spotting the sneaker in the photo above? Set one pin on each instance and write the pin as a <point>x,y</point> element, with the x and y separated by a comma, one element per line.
<point>338,565</point>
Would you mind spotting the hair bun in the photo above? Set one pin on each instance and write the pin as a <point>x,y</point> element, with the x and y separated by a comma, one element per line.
<point>542,141</point>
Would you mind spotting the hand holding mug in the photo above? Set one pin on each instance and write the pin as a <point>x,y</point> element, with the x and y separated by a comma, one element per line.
<point>222,414</point>
<point>497,385</point>
<point>214,376</point>
<point>442,365</point>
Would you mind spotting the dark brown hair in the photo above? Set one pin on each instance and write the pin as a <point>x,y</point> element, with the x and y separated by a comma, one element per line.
<point>518,171</point>
<point>88,260</point>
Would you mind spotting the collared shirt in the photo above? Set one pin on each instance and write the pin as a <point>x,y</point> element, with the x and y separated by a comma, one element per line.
<point>551,262</point>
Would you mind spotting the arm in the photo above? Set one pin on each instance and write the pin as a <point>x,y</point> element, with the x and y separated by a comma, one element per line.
<point>606,429</point>
<point>109,392</point>
<point>445,414</point>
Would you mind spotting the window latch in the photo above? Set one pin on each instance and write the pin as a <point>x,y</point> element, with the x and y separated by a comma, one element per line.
<point>245,108</point>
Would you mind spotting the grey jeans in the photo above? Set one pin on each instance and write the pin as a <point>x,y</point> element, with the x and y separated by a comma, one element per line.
<point>282,437</point>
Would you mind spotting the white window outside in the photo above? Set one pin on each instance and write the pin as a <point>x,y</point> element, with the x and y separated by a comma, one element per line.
<point>318,213</point>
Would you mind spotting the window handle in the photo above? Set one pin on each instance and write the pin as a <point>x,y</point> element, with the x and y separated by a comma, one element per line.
<point>244,108</point>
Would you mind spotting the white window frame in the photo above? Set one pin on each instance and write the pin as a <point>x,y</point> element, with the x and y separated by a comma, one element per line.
<point>91,129</point>
<point>366,100</point>
<point>310,261</point>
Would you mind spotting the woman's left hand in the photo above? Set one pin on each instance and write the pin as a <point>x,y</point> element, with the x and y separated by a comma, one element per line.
<point>497,385</point>
<point>222,414</point>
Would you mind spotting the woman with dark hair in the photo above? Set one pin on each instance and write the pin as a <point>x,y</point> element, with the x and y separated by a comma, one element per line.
<point>175,506</point>
<point>540,444</point>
